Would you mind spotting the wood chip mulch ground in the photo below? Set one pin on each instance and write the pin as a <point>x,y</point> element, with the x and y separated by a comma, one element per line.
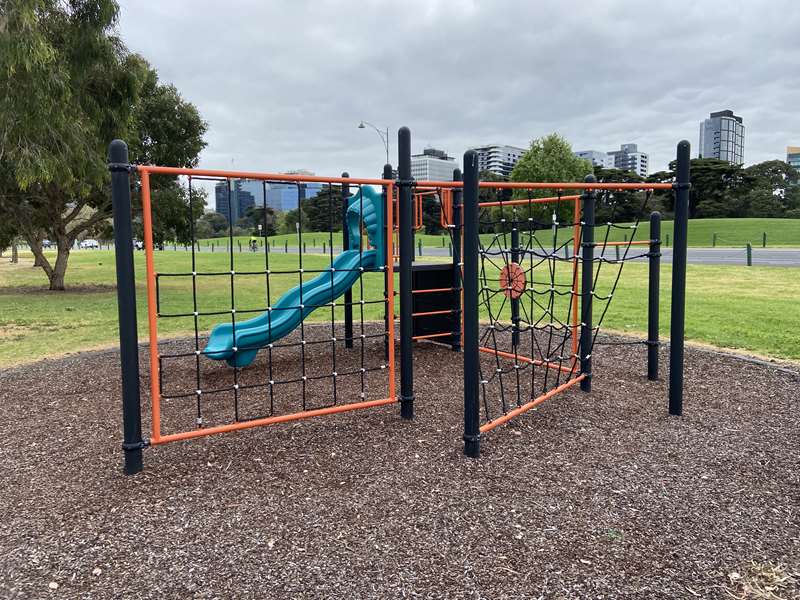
<point>599,495</point>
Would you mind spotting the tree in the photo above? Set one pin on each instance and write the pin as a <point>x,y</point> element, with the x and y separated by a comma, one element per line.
<point>168,131</point>
<point>663,200</point>
<point>431,214</point>
<point>69,88</point>
<point>7,236</point>
<point>321,212</point>
<point>619,206</point>
<point>719,188</point>
<point>211,225</point>
<point>63,60</point>
<point>486,223</point>
<point>550,159</point>
<point>259,215</point>
<point>170,210</point>
<point>772,190</point>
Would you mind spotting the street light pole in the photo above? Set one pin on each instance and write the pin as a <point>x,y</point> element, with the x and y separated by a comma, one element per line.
<point>384,135</point>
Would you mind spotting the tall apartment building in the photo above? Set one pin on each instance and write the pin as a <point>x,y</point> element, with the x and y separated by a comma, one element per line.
<point>793,156</point>
<point>498,158</point>
<point>627,158</point>
<point>722,137</point>
<point>597,158</point>
<point>432,165</point>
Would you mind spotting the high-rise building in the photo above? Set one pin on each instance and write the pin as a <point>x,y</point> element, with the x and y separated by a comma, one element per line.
<point>597,158</point>
<point>432,165</point>
<point>498,158</point>
<point>286,196</point>
<point>232,200</point>
<point>256,188</point>
<point>722,137</point>
<point>793,156</point>
<point>628,158</point>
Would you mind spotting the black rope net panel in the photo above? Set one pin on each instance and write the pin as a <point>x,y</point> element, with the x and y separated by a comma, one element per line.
<point>530,295</point>
<point>218,290</point>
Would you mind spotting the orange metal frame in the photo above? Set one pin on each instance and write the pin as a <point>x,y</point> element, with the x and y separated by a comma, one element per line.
<point>446,219</point>
<point>152,317</point>
<point>444,188</point>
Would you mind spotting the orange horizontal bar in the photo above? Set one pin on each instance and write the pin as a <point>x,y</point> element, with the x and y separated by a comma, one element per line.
<point>431,335</point>
<point>633,243</point>
<point>432,290</point>
<point>526,407</point>
<point>419,184</point>
<point>434,312</point>
<point>518,201</point>
<point>251,175</point>
<point>521,185</point>
<point>532,361</point>
<point>306,414</point>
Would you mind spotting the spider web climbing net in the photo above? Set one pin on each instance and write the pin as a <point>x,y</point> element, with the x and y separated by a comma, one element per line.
<point>530,293</point>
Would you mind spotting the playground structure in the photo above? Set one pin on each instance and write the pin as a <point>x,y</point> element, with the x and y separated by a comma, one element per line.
<point>517,298</point>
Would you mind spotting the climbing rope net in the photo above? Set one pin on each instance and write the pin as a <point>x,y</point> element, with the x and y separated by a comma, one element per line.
<point>253,357</point>
<point>531,298</point>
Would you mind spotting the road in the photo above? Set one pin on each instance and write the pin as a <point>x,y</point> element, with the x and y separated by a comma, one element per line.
<point>773,257</point>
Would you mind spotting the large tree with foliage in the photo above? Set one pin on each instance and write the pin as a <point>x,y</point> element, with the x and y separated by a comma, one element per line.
<point>321,212</point>
<point>620,206</point>
<point>773,189</point>
<point>211,225</point>
<point>259,215</point>
<point>722,189</point>
<point>69,88</point>
<point>550,159</point>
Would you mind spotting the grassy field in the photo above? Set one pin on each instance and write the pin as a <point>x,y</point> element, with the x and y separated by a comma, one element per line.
<point>750,309</point>
<point>729,233</point>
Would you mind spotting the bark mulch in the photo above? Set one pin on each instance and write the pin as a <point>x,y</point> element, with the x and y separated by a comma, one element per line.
<point>599,495</point>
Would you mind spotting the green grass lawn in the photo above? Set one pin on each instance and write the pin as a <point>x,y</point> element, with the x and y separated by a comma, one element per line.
<point>730,233</point>
<point>751,309</point>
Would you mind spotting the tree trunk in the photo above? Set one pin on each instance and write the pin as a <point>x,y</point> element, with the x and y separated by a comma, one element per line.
<point>41,260</point>
<point>57,274</point>
<point>14,252</point>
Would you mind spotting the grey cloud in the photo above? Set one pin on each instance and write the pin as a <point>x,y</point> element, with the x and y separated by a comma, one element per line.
<point>283,84</point>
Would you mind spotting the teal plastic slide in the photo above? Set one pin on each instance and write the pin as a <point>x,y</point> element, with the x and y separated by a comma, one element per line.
<point>238,345</point>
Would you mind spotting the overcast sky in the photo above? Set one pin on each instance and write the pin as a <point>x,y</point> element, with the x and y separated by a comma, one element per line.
<point>283,84</point>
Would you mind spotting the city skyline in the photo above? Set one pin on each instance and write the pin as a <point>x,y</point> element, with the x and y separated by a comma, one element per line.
<point>272,117</point>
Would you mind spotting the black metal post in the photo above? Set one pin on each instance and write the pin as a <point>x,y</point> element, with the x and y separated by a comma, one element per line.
<point>455,250</point>
<point>348,295</point>
<point>654,260</point>
<point>404,183</point>
<point>514,301</point>
<point>126,302</point>
<point>587,283</point>
<point>472,432</point>
<point>387,175</point>
<point>677,318</point>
